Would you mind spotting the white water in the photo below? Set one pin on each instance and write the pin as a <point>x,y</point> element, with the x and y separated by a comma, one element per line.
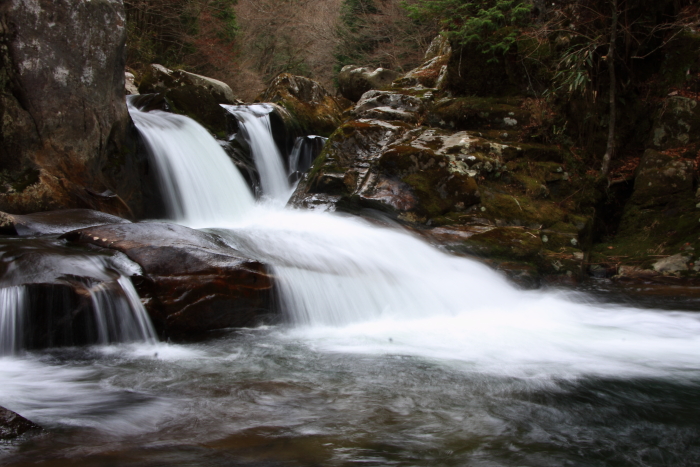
<point>301,156</point>
<point>200,184</point>
<point>352,287</point>
<point>12,309</point>
<point>254,122</point>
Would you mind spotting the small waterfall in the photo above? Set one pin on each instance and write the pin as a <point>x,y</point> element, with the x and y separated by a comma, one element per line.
<point>119,314</point>
<point>200,184</point>
<point>12,310</point>
<point>255,125</point>
<point>306,149</point>
<point>35,316</point>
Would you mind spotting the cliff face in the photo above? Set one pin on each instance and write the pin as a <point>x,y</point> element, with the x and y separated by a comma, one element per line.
<point>63,119</point>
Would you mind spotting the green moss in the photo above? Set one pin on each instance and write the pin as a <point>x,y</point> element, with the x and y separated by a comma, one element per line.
<point>512,243</point>
<point>520,210</point>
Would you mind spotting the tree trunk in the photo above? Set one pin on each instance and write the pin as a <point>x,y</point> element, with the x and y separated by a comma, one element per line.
<point>604,171</point>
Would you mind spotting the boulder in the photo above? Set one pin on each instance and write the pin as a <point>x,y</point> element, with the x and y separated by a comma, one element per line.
<point>158,79</point>
<point>672,264</point>
<point>387,105</point>
<point>192,282</point>
<point>311,106</point>
<point>63,118</point>
<point>432,72</point>
<point>676,124</point>
<point>354,81</point>
<point>54,222</point>
<point>130,87</point>
<point>13,425</point>
<point>55,292</point>
<point>660,178</point>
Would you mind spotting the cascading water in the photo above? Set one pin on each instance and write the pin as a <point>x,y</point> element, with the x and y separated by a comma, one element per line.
<point>200,185</point>
<point>305,150</point>
<point>255,124</point>
<point>398,354</point>
<point>12,310</point>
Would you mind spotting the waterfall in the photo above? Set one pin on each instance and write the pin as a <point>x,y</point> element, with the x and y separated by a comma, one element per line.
<point>12,310</point>
<point>200,184</point>
<point>254,122</point>
<point>30,316</point>
<point>305,150</point>
<point>354,287</point>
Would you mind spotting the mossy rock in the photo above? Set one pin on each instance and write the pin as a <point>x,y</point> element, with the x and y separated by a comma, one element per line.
<point>512,243</point>
<point>198,104</point>
<point>316,111</point>
<point>520,210</point>
<point>474,113</point>
<point>662,179</point>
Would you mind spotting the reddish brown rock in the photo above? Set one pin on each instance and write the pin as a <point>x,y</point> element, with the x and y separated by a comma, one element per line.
<point>192,281</point>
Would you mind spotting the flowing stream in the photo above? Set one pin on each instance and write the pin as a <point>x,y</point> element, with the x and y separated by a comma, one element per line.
<point>394,353</point>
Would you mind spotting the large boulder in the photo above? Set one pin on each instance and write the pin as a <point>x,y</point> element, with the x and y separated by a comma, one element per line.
<point>192,282</point>
<point>311,106</point>
<point>354,81</point>
<point>432,72</point>
<point>158,78</point>
<point>676,124</point>
<point>64,121</point>
<point>387,105</point>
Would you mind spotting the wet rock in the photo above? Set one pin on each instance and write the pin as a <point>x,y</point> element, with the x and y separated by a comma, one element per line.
<point>478,113</point>
<point>386,105</point>
<point>63,117</point>
<point>192,281</point>
<point>439,46</point>
<point>54,222</point>
<point>13,425</point>
<point>54,287</point>
<point>432,72</point>
<point>672,264</point>
<point>313,108</point>
<point>354,81</point>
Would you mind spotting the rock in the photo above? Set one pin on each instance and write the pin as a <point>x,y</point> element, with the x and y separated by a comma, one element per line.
<point>312,107</point>
<point>672,264</point>
<point>58,289</point>
<point>13,425</point>
<point>192,281</point>
<point>130,84</point>
<point>159,79</point>
<point>660,178</point>
<point>63,116</point>
<point>54,222</point>
<point>386,105</point>
<point>677,123</point>
<point>439,46</point>
<point>478,113</point>
<point>354,81</point>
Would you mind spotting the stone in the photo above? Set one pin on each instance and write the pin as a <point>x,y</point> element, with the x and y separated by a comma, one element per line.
<point>676,124</point>
<point>386,105</point>
<point>63,116</point>
<point>311,106</point>
<point>54,222</point>
<point>159,79</point>
<point>13,425</point>
<point>672,264</point>
<point>192,282</point>
<point>130,87</point>
<point>354,81</point>
<point>660,178</point>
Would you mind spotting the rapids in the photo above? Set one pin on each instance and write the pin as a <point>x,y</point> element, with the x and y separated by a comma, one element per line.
<point>393,353</point>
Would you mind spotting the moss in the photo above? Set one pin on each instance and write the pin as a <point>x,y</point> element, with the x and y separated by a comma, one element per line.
<point>520,210</point>
<point>18,182</point>
<point>680,60</point>
<point>471,113</point>
<point>511,243</point>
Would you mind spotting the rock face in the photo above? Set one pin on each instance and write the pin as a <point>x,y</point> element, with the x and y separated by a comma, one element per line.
<point>677,123</point>
<point>430,74</point>
<point>311,106</point>
<point>64,121</point>
<point>354,81</point>
<point>13,425</point>
<point>192,281</point>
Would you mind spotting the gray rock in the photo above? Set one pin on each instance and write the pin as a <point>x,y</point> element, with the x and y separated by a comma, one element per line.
<point>386,105</point>
<point>677,123</point>
<point>130,84</point>
<point>62,112</point>
<point>675,263</point>
<point>354,81</point>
